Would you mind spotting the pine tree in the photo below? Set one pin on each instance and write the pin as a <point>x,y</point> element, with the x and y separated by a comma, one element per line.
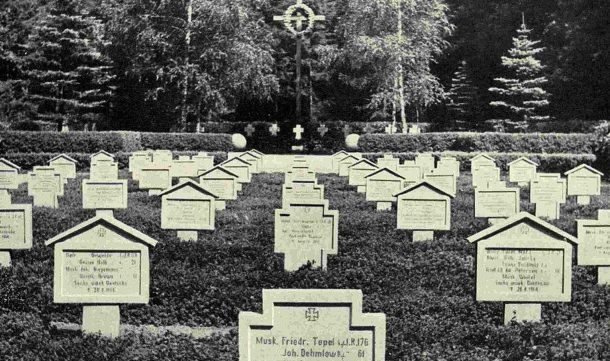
<point>523,95</point>
<point>70,79</point>
<point>462,96</point>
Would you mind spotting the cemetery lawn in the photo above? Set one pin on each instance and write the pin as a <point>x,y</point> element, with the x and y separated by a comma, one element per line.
<point>425,289</point>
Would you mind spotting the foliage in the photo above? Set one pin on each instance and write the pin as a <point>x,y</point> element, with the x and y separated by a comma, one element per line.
<point>425,289</point>
<point>462,97</point>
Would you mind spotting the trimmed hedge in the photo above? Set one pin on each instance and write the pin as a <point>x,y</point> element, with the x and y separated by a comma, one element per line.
<point>547,162</point>
<point>479,142</point>
<point>113,142</point>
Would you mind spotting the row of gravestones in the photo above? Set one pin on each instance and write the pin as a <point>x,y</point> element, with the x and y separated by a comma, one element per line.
<point>322,129</point>
<point>523,260</point>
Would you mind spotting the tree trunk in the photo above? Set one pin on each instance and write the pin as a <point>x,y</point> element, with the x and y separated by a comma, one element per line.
<point>184,105</point>
<point>401,86</point>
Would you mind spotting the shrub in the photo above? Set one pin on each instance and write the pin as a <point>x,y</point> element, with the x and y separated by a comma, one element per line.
<point>187,141</point>
<point>479,142</point>
<point>26,126</point>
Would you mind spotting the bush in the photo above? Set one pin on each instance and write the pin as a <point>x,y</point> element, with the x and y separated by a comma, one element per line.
<point>26,126</point>
<point>187,141</point>
<point>479,142</point>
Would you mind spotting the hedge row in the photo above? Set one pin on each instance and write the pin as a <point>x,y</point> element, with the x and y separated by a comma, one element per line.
<point>29,160</point>
<point>91,142</point>
<point>479,142</point>
<point>552,163</point>
<point>354,127</point>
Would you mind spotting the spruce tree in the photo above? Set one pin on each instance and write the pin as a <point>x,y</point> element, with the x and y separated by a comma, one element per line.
<point>70,79</point>
<point>462,97</point>
<point>522,96</point>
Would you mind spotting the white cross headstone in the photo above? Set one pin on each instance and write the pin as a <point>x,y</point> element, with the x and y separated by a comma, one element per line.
<point>298,131</point>
<point>250,130</point>
<point>322,129</point>
<point>274,129</point>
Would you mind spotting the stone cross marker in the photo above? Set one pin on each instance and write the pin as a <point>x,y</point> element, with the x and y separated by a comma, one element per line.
<point>522,171</point>
<point>203,161</point>
<point>298,191</point>
<point>249,130</point>
<point>358,171</point>
<point>390,129</point>
<point>184,168</point>
<point>496,202</point>
<point>548,191</point>
<point>274,129</point>
<point>155,179</point>
<point>312,324</point>
<point>484,174</point>
<point>594,244</point>
<point>221,182</point>
<point>423,208</point>
<point>104,195</point>
<point>522,261</point>
<point>44,187</point>
<point>381,185</point>
<point>9,179</point>
<point>306,231</point>
<point>15,219</point>
<point>583,182</point>
<point>426,162</point>
<point>188,207</point>
<point>101,263</point>
<point>298,131</point>
<point>322,129</point>
<point>388,161</point>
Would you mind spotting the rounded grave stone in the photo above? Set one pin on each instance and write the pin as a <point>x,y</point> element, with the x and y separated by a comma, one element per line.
<point>351,141</point>
<point>239,141</point>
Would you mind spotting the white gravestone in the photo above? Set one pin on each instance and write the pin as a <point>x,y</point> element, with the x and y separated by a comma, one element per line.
<point>594,244</point>
<point>222,183</point>
<point>522,171</point>
<point>548,191</point>
<point>381,185</point>
<point>358,171</point>
<point>584,182</point>
<point>495,202</point>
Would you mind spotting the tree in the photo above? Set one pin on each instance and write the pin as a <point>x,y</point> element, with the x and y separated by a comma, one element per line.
<point>462,96</point>
<point>390,45</point>
<point>69,77</point>
<point>522,96</point>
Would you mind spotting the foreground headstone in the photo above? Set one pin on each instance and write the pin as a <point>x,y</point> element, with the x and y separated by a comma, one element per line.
<point>496,202</point>
<point>381,185</point>
<point>523,261</point>
<point>306,231</point>
<point>64,165</point>
<point>594,244</point>
<point>101,263</point>
<point>188,208</point>
<point>344,164</point>
<point>155,179</point>
<point>298,191</point>
<point>522,171</point>
<point>583,182</point>
<point>423,209</point>
<point>548,192</point>
<point>358,171</point>
<point>222,183</point>
<point>312,324</point>
<point>104,196</point>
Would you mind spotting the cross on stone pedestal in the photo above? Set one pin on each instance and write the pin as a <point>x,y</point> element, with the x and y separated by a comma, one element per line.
<point>390,129</point>
<point>298,130</point>
<point>346,130</point>
<point>368,129</point>
<point>322,129</point>
<point>250,130</point>
<point>274,129</point>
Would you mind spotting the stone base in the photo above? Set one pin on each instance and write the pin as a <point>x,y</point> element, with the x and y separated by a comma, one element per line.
<point>154,192</point>
<point>188,235</point>
<point>295,259</point>
<point>583,200</point>
<point>422,236</point>
<point>5,258</point>
<point>297,148</point>
<point>521,312</point>
<point>603,275</point>
<point>384,206</point>
<point>104,213</point>
<point>102,319</point>
<point>361,189</point>
<point>493,221</point>
<point>220,205</point>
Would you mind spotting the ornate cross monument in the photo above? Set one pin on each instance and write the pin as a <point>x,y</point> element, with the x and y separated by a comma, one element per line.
<point>298,19</point>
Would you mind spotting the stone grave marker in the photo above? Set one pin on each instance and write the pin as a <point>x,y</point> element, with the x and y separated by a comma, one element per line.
<point>336,158</point>
<point>101,156</point>
<point>298,191</point>
<point>254,159</point>
<point>445,180</point>
<point>448,164</point>
<point>344,164</point>
<point>51,170</point>
<point>484,174</point>
<point>548,191</point>
<point>9,178</point>
<point>480,159</point>
<point>388,161</point>
<point>204,161</point>
<point>15,227</point>
<point>381,185</point>
<point>523,261</point>
<point>414,129</point>
<point>299,173</point>
<point>496,202</point>
<point>410,172</point>
<point>44,188</point>
<point>103,170</point>
<point>357,172</point>
<point>594,244</point>
<point>583,182</point>
<point>522,171</point>
<point>137,161</point>
<point>188,208</point>
<point>426,162</point>
<point>184,168</point>
<point>240,167</point>
<point>64,165</point>
<point>312,324</point>
<point>101,263</point>
<point>104,195</point>
<point>220,182</point>
<point>155,179</point>
<point>306,231</point>
<point>423,208</point>
<point>162,158</point>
